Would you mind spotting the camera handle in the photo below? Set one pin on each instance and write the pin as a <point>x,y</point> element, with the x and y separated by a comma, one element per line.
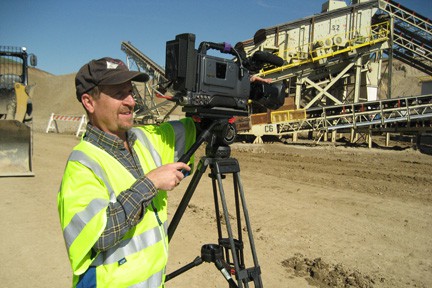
<point>223,48</point>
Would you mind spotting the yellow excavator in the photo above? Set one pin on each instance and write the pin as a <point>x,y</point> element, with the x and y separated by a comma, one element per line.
<point>16,141</point>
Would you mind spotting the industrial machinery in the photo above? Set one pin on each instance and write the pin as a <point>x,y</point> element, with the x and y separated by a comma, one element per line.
<point>335,58</point>
<point>333,61</point>
<point>16,146</point>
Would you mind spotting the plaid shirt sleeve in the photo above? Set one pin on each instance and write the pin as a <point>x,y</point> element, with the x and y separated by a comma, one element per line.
<point>126,212</point>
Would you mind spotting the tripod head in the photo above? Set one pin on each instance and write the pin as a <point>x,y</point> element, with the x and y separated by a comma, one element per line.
<point>219,133</point>
<point>222,136</point>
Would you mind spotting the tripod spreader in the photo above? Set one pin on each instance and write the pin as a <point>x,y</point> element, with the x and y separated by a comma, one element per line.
<point>210,253</point>
<point>214,253</point>
<point>197,261</point>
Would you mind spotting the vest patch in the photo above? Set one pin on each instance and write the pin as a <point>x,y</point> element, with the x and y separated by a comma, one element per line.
<point>122,261</point>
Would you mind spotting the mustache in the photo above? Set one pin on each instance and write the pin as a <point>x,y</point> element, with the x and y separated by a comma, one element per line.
<point>126,110</point>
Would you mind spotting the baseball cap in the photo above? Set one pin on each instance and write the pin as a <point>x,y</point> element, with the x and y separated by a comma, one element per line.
<point>105,71</point>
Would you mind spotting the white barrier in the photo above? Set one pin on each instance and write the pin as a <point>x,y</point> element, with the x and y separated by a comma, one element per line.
<point>52,123</point>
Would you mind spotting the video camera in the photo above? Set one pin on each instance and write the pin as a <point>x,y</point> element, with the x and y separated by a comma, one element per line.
<point>215,87</point>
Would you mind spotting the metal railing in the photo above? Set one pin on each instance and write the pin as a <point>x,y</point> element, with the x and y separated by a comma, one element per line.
<point>411,112</point>
<point>376,33</point>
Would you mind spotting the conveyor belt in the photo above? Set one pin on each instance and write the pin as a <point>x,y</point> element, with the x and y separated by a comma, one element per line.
<point>143,61</point>
<point>147,109</point>
<point>407,114</point>
<point>412,36</point>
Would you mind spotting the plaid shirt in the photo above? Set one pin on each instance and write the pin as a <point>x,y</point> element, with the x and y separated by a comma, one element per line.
<point>128,210</point>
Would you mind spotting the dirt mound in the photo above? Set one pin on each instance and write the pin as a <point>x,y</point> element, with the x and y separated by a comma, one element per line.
<point>321,274</point>
<point>52,94</point>
<point>405,80</point>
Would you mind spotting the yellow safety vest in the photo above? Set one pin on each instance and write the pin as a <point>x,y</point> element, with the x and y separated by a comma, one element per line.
<point>92,179</point>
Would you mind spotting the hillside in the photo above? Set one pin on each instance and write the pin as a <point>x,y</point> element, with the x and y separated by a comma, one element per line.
<point>405,80</point>
<point>52,94</point>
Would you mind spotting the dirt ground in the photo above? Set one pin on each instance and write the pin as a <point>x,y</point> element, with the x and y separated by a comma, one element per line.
<point>326,215</point>
<point>321,215</point>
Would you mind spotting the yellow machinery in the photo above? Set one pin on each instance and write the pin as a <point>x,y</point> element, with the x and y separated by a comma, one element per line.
<point>16,145</point>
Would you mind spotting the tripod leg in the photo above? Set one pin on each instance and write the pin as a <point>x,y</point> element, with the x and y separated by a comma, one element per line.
<point>197,261</point>
<point>202,166</point>
<point>238,183</point>
<point>216,205</point>
<point>235,246</point>
<point>228,224</point>
<point>238,217</point>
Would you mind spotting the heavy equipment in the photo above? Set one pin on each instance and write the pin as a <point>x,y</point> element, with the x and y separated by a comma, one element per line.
<point>16,143</point>
<point>334,60</point>
<point>335,68</point>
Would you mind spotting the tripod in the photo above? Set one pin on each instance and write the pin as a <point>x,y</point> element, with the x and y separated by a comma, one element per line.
<point>228,254</point>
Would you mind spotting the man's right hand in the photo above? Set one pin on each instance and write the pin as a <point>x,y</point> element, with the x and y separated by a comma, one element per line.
<point>167,177</point>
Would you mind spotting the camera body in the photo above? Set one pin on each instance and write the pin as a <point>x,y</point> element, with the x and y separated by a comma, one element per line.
<point>214,87</point>
<point>205,83</point>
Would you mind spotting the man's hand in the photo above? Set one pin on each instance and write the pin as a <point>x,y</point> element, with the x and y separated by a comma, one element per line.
<point>167,177</point>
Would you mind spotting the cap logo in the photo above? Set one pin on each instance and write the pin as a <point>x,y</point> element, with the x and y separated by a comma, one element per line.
<point>112,65</point>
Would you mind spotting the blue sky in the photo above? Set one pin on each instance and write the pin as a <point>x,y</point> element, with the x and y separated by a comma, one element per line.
<point>65,34</point>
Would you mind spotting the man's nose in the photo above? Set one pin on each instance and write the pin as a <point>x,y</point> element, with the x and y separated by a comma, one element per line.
<point>129,100</point>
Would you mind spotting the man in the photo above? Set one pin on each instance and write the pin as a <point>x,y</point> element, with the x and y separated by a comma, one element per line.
<point>113,201</point>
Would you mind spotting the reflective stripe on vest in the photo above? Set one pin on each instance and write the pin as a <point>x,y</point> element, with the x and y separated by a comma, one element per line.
<point>129,246</point>
<point>180,135</point>
<point>80,219</point>
<point>154,280</point>
<point>78,222</point>
<point>148,238</point>
<point>144,140</point>
<point>84,159</point>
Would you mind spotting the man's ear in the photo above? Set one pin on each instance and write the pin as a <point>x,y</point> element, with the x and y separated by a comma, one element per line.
<point>88,102</point>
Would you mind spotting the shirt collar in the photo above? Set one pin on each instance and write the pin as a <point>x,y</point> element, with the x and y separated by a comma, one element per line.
<point>107,141</point>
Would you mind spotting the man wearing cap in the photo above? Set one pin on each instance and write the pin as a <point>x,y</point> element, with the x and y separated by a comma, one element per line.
<point>112,200</point>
